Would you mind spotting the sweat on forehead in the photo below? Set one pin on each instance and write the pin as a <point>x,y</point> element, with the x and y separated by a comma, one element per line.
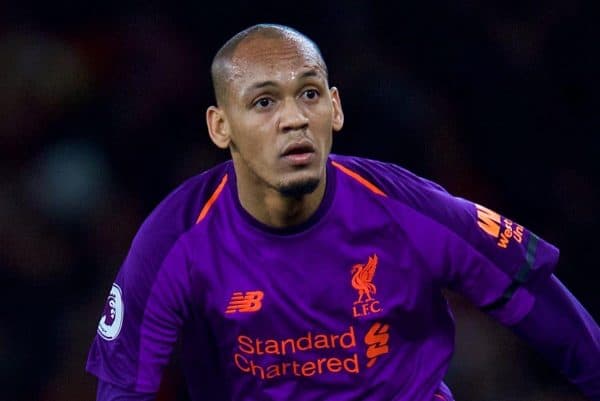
<point>255,43</point>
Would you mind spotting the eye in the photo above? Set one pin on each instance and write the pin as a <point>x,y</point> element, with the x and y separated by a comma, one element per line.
<point>263,102</point>
<point>311,94</point>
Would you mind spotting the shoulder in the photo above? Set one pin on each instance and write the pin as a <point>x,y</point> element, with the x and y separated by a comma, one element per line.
<point>408,192</point>
<point>389,176</point>
<point>396,182</point>
<point>178,212</point>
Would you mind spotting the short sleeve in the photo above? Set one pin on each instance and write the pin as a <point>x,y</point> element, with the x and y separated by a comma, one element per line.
<point>489,258</point>
<point>150,298</point>
<point>493,260</point>
<point>141,320</point>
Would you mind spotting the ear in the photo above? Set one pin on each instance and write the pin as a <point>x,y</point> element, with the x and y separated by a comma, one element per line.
<point>218,128</point>
<point>338,113</point>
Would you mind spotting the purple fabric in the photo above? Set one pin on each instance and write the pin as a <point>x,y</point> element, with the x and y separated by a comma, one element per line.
<point>346,306</point>
<point>109,392</point>
<point>563,332</point>
<point>443,393</point>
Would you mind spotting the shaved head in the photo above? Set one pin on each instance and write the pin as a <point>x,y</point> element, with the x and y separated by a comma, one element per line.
<point>224,62</point>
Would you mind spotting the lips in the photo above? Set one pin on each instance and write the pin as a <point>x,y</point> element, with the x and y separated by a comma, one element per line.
<point>298,148</point>
<point>299,154</point>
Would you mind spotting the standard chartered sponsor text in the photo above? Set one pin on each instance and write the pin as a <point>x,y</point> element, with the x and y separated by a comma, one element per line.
<point>251,351</point>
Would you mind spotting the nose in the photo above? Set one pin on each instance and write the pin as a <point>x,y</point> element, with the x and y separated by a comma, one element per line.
<point>292,117</point>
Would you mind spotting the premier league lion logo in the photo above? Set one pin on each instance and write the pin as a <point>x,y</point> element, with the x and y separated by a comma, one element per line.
<point>109,310</point>
<point>112,316</point>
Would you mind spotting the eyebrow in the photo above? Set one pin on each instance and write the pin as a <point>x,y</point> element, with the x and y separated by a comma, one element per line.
<point>308,74</point>
<point>263,84</point>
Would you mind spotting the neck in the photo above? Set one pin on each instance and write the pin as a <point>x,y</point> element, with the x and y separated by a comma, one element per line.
<point>270,207</point>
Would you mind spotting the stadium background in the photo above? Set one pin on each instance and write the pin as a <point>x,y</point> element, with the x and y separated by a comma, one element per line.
<point>102,114</point>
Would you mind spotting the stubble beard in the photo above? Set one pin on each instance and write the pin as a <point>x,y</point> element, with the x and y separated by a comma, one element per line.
<point>292,190</point>
<point>296,190</point>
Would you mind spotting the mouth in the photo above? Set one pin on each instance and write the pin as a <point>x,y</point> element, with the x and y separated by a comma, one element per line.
<point>299,153</point>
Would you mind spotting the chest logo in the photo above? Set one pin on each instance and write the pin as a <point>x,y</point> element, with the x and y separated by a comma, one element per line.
<point>249,301</point>
<point>362,281</point>
<point>377,339</point>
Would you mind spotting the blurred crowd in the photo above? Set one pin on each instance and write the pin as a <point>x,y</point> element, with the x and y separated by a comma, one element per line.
<point>102,114</point>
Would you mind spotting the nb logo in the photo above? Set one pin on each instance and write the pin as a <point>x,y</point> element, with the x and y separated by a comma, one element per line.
<point>377,341</point>
<point>249,301</point>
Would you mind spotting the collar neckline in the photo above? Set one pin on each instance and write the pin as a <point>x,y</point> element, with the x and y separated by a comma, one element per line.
<point>324,206</point>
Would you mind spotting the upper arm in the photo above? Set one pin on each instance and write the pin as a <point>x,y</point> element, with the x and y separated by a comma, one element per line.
<point>492,260</point>
<point>141,321</point>
<point>151,296</point>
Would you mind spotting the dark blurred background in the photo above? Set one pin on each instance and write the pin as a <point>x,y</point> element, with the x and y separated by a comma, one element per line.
<point>102,114</point>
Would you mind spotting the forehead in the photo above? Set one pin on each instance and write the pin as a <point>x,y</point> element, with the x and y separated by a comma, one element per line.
<point>275,59</point>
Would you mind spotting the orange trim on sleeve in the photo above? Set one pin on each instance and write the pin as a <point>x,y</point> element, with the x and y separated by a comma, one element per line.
<point>441,397</point>
<point>212,199</point>
<point>359,178</point>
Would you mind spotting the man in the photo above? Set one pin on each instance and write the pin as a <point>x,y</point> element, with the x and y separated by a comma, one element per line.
<point>289,273</point>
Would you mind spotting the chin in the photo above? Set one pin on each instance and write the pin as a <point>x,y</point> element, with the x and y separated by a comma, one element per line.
<point>299,188</point>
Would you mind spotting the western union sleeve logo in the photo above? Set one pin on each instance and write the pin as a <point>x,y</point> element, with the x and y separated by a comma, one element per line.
<point>499,227</point>
<point>488,220</point>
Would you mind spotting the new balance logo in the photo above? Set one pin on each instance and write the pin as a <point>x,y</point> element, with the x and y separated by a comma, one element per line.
<point>377,341</point>
<point>249,301</point>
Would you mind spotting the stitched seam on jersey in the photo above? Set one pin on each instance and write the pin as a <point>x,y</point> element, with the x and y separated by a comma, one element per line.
<point>357,177</point>
<point>460,238</point>
<point>213,198</point>
<point>156,273</point>
<point>452,231</point>
<point>205,209</point>
<point>187,268</point>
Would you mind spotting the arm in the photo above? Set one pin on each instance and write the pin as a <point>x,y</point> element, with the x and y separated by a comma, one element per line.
<point>132,349</point>
<point>109,392</point>
<point>137,332</point>
<point>502,268</point>
<point>560,328</point>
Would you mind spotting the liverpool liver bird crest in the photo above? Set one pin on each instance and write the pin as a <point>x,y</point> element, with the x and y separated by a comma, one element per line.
<point>362,279</point>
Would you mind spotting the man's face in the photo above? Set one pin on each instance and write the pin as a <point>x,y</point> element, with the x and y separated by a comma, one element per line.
<point>281,114</point>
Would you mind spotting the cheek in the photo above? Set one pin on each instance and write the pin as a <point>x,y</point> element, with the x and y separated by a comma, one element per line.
<point>254,143</point>
<point>323,124</point>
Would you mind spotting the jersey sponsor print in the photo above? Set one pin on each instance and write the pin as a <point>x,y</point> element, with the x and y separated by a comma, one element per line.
<point>324,348</point>
<point>348,305</point>
<point>499,227</point>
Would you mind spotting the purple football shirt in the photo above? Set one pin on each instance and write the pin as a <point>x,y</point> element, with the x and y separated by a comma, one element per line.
<point>346,306</point>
